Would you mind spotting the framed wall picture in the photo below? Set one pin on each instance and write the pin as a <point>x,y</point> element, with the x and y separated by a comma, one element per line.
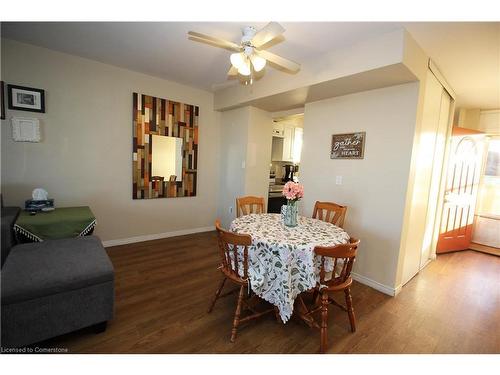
<point>348,146</point>
<point>26,98</point>
<point>2,101</point>
<point>25,129</point>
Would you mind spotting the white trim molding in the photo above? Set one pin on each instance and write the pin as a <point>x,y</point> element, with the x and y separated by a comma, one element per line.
<point>439,76</point>
<point>156,236</point>
<point>376,285</point>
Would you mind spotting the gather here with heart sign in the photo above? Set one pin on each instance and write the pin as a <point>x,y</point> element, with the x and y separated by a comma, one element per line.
<point>348,146</point>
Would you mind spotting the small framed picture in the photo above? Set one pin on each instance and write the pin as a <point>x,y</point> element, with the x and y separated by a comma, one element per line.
<point>26,98</point>
<point>25,129</point>
<point>2,102</point>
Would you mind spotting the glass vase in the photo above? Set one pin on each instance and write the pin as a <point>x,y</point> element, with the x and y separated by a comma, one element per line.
<point>291,214</point>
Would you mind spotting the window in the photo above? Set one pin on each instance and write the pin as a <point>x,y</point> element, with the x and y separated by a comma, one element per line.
<point>493,159</point>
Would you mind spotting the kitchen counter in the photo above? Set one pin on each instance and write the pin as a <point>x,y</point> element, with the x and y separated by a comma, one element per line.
<point>276,188</point>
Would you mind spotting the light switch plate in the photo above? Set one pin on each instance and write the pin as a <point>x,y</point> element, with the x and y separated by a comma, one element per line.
<point>338,180</point>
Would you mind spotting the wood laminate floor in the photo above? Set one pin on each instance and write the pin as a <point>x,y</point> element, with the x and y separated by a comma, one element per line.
<point>163,289</point>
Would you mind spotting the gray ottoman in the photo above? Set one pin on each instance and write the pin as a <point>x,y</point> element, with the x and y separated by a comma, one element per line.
<point>55,287</point>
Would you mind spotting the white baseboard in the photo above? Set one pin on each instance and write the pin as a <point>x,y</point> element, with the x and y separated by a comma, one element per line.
<point>376,285</point>
<point>155,236</point>
<point>398,289</point>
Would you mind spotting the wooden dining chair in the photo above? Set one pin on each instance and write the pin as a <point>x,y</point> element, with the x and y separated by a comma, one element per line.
<point>249,205</point>
<point>330,212</point>
<point>233,250</point>
<point>339,280</point>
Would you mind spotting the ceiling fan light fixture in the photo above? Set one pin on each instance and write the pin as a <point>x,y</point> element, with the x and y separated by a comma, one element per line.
<point>258,62</point>
<point>244,69</point>
<point>237,60</point>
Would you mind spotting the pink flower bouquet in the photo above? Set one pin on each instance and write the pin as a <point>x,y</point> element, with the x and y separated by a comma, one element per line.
<point>293,191</point>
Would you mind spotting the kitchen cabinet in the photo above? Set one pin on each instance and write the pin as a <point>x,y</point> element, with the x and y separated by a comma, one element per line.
<point>278,129</point>
<point>289,147</point>
<point>288,134</point>
<point>297,144</point>
<point>277,149</point>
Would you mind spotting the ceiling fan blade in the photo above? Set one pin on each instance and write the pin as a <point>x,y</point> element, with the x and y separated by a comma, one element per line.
<point>214,41</point>
<point>232,71</point>
<point>269,32</point>
<point>281,61</point>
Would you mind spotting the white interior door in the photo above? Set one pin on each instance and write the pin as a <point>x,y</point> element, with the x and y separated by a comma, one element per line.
<point>443,120</point>
<point>433,139</point>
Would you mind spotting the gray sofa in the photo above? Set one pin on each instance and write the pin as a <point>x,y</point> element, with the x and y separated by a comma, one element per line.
<point>52,287</point>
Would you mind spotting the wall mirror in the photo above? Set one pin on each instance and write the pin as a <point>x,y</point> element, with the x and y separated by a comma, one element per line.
<point>165,148</point>
<point>166,158</point>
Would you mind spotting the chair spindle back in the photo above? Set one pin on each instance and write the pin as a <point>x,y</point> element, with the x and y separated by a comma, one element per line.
<point>234,253</point>
<point>249,205</point>
<point>330,212</point>
<point>344,252</point>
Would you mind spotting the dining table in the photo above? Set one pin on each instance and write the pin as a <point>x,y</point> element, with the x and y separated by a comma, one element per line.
<point>282,263</point>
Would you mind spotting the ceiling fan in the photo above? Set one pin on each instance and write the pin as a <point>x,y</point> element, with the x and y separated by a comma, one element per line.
<point>250,55</point>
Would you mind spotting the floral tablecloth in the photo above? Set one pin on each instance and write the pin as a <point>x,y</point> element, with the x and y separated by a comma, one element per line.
<point>281,259</point>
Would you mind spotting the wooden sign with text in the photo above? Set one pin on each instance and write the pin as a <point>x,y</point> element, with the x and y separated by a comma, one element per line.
<point>348,146</point>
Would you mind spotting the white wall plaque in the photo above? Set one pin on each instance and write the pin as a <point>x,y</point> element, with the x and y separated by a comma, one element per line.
<point>25,129</point>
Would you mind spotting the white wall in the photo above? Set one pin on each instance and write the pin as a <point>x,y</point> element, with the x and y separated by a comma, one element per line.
<point>234,136</point>
<point>86,151</point>
<point>246,136</point>
<point>489,121</point>
<point>469,118</point>
<point>258,153</point>
<point>373,188</point>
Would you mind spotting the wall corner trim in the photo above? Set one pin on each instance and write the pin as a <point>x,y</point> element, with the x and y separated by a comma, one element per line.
<point>376,285</point>
<point>156,236</point>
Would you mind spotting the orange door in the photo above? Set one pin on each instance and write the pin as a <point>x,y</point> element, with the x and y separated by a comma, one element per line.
<point>464,171</point>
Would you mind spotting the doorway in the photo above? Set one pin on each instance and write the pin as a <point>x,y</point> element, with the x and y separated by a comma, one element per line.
<point>285,157</point>
<point>461,191</point>
<point>471,209</point>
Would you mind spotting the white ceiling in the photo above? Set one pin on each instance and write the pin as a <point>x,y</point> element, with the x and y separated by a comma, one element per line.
<point>468,54</point>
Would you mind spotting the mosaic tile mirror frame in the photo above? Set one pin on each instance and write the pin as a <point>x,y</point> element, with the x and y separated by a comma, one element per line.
<point>165,148</point>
